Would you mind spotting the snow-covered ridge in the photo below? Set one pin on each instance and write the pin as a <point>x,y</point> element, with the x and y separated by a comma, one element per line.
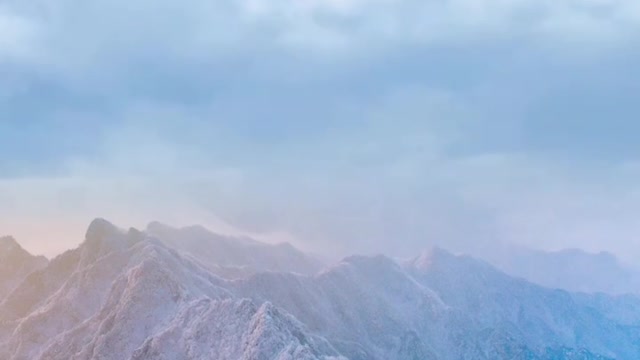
<point>241,255</point>
<point>565,269</point>
<point>8,243</point>
<point>129,295</point>
<point>15,264</point>
<point>117,291</point>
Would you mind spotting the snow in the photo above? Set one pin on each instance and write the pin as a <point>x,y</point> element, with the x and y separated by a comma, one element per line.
<point>128,295</point>
<point>15,264</point>
<point>566,269</point>
<point>234,256</point>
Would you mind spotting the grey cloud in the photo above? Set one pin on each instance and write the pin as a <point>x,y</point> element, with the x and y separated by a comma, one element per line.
<point>351,124</point>
<point>73,36</point>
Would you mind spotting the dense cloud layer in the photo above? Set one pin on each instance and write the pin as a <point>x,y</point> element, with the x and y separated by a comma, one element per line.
<point>354,126</point>
<point>46,31</point>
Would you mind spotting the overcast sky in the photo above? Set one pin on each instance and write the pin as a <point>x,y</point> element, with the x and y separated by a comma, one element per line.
<point>345,126</point>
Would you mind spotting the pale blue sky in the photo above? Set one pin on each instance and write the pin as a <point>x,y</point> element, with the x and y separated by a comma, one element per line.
<point>351,125</point>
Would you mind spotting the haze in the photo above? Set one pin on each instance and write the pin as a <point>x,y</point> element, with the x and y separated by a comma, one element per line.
<point>342,126</point>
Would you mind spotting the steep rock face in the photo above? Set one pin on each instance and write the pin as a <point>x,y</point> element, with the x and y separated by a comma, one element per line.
<point>120,290</point>
<point>622,309</point>
<point>532,315</point>
<point>371,308</point>
<point>126,295</point>
<point>69,290</point>
<point>102,239</point>
<point>15,264</point>
<point>243,331</point>
<point>367,307</point>
<point>566,269</point>
<point>38,286</point>
<point>138,303</point>
<point>225,253</point>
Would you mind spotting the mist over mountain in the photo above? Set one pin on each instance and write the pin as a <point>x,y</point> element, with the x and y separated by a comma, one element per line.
<point>167,293</point>
<point>329,180</point>
<point>243,254</point>
<point>569,269</point>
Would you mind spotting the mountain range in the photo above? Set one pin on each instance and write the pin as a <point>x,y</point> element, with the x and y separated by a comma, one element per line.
<point>167,293</point>
<point>566,269</point>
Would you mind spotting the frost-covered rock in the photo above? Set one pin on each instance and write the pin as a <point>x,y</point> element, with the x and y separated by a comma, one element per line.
<point>525,313</point>
<point>566,269</point>
<point>234,256</point>
<point>234,329</point>
<point>116,293</point>
<point>15,264</point>
<point>127,295</point>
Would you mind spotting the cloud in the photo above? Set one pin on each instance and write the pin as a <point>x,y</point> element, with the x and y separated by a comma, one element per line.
<point>380,126</point>
<point>157,161</point>
<point>554,204</point>
<point>116,33</point>
<point>17,34</point>
<point>385,176</point>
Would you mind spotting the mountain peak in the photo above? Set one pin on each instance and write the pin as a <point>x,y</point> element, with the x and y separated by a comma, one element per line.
<point>426,259</point>
<point>372,265</point>
<point>100,229</point>
<point>8,244</point>
<point>157,227</point>
<point>103,237</point>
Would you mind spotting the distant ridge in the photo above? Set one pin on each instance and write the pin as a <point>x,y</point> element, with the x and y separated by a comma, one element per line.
<point>566,269</point>
<point>15,264</point>
<point>243,253</point>
<point>128,294</point>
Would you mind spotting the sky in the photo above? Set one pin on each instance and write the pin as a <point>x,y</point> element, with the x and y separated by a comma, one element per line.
<point>343,126</point>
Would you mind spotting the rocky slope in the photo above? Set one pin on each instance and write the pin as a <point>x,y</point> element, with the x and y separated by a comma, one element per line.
<point>234,257</point>
<point>119,292</point>
<point>128,295</point>
<point>566,269</point>
<point>15,264</point>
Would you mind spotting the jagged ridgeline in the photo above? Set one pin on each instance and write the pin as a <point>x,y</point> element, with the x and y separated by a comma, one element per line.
<point>167,293</point>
